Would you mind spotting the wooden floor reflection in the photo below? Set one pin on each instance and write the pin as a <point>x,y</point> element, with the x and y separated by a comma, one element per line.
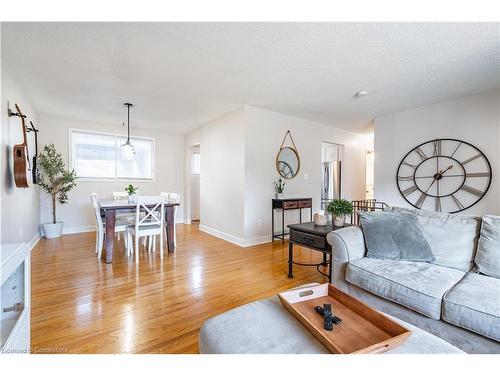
<point>82,305</point>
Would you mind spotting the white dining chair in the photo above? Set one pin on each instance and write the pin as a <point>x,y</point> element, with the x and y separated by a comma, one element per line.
<point>148,225</point>
<point>120,226</point>
<point>172,198</point>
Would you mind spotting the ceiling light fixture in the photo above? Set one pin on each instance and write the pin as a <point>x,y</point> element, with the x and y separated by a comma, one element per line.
<point>361,93</point>
<point>128,150</point>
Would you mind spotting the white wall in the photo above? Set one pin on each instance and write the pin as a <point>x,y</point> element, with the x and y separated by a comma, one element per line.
<point>264,132</point>
<point>222,174</point>
<point>20,208</point>
<point>77,214</point>
<point>474,119</point>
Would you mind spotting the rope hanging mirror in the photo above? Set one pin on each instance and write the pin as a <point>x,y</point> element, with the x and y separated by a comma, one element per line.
<point>287,159</point>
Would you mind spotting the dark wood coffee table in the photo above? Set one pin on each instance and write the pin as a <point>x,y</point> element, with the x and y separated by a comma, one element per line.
<point>313,237</point>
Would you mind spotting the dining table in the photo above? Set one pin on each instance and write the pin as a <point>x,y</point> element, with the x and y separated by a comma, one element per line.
<point>109,208</point>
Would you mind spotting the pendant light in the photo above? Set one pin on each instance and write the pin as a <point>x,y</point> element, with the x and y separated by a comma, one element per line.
<point>128,151</point>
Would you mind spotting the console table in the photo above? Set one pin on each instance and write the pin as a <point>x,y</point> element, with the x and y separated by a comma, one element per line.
<point>313,237</point>
<point>286,204</point>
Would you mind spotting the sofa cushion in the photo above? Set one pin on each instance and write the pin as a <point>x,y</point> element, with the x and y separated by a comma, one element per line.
<point>394,236</point>
<point>488,249</point>
<point>452,238</point>
<point>417,285</point>
<point>474,304</point>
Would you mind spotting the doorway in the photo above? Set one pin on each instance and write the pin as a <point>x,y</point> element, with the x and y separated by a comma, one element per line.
<point>195,172</point>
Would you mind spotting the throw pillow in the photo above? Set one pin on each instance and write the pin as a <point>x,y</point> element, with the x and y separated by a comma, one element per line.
<point>488,250</point>
<point>395,236</point>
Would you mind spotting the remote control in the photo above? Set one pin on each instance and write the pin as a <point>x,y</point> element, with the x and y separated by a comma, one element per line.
<point>327,313</point>
<point>321,311</point>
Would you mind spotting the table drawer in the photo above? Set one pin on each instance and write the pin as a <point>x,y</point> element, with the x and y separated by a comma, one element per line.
<point>290,205</point>
<point>304,204</point>
<point>308,239</point>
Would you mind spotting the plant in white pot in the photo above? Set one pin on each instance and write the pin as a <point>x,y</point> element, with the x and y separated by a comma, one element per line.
<point>57,181</point>
<point>339,208</point>
<point>279,187</point>
<point>132,191</point>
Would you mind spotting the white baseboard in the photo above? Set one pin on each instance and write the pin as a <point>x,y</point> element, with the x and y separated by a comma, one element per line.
<point>242,242</point>
<point>79,229</point>
<point>32,243</point>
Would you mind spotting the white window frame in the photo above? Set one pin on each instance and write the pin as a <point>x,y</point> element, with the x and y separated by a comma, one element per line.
<point>112,179</point>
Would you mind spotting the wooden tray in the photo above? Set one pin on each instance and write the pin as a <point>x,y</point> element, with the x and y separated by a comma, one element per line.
<point>363,329</point>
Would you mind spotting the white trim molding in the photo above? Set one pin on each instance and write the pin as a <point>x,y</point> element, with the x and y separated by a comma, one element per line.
<point>233,239</point>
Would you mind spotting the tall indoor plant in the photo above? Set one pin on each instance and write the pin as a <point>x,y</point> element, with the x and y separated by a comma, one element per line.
<point>339,208</point>
<point>57,181</point>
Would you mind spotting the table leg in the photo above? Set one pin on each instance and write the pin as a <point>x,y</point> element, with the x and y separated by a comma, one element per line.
<point>170,220</point>
<point>110,234</point>
<point>300,215</point>
<point>324,259</point>
<point>290,260</point>
<point>311,211</point>
<point>330,268</point>
<point>282,226</point>
<point>272,225</point>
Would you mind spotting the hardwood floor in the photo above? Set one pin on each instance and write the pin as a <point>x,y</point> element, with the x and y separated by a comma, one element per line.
<point>82,305</point>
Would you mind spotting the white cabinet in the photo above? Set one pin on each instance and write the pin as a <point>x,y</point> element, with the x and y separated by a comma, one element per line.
<point>15,298</point>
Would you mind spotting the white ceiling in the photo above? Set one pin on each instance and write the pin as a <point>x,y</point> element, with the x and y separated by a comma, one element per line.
<point>181,75</point>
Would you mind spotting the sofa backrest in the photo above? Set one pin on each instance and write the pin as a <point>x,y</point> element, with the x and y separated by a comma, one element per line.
<point>452,238</point>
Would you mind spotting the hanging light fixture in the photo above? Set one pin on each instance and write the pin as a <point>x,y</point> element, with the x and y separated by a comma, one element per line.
<point>128,151</point>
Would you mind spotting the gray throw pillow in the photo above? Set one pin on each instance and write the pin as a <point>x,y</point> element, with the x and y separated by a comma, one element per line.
<point>488,249</point>
<point>395,236</point>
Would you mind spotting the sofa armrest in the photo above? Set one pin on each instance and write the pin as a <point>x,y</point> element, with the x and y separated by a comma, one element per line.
<point>347,244</point>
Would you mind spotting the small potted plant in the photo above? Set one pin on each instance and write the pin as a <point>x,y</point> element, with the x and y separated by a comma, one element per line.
<point>57,181</point>
<point>131,190</point>
<point>339,208</point>
<point>279,187</point>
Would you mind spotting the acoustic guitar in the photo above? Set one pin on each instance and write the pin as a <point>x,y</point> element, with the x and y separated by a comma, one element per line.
<point>20,153</point>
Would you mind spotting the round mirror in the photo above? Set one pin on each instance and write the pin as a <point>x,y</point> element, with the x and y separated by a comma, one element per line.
<point>288,162</point>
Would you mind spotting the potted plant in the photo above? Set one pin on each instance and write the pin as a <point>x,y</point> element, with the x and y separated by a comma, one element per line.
<point>131,190</point>
<point>57,181</point>
<point>279,187</point>
<point>339,208</point>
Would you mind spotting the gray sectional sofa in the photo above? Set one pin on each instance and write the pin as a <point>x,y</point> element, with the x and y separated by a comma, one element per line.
<point>455,297</point>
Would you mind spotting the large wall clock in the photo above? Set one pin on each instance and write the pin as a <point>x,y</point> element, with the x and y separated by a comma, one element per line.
<point>446,175</point>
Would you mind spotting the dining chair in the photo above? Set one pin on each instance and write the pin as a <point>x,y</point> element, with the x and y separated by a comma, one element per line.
<point>120,226</point>
<point>148,225</point>
<point>172,198</point>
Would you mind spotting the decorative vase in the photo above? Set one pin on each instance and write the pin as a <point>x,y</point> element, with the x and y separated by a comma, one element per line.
<point>280,195</point>
<point>131,198</point>
<point>51,230</point>
<point>338,220</point>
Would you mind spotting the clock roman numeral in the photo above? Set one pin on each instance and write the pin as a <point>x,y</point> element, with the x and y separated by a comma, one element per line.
<point>457,202</point>
<point>456,149</point>
<point>420,153</point>
<point>405,178</point>
<point>409,190</point>
<point>472,190</point>
<point>479,174</point>
<point>438,204</point>
<point>409,165</point>
<point>471,159</point>
<point>421,200</point>
<point>437,147</point>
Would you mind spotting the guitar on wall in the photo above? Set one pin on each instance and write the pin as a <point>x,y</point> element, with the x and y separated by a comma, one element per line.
<point>34,167</point>
<point>20,153</point>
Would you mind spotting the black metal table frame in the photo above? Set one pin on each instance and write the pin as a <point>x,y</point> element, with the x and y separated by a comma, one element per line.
<point>282,235</point>
<point>325,262</point>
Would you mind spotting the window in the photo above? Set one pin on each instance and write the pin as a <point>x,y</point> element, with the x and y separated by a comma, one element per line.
<point>196,163</point>
<point>98,155</point>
